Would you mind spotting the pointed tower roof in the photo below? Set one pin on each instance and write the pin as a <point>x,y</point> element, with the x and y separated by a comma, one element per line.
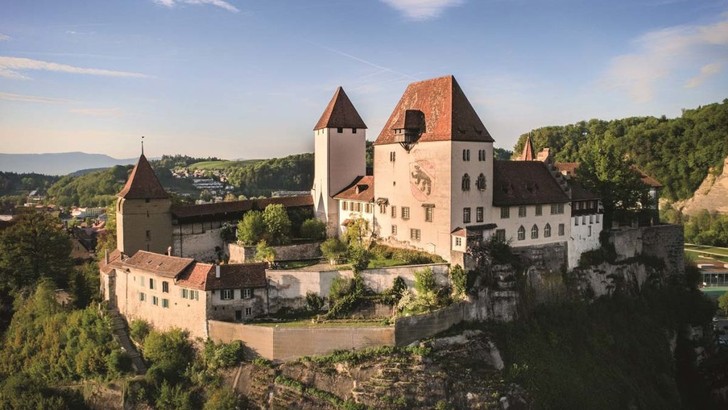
<point>448,115</point>
<point>340,113</point>
<point>143,183</point>
<point>528,152</point>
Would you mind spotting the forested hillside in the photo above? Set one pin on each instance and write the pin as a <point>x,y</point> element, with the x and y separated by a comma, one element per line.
<point>294,172</point>
<point>678,152</point>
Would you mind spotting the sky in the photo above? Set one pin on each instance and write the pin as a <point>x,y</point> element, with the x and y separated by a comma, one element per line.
<point>243,79</point>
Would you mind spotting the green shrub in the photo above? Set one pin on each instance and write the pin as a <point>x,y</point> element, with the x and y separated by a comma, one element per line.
<point>313,229</point>
<point>459,280</point>
<point>264,252</point>
<point>173,398</point>
<point>225,398</point>
<point>251,228</point>
<point>139,329</point>
<point>333,249</point>
<point>314,302</point>
<point>359,258</point>
<point>425,281</point>
<point>118,362</point>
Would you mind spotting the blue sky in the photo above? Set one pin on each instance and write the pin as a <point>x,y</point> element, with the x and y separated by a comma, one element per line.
<point>249,79</point>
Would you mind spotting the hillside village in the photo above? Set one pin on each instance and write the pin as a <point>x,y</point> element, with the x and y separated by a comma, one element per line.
<point>438,190</point>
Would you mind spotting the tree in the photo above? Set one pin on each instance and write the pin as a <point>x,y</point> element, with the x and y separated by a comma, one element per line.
<point>333,249</point>
<point>606,170</point>
<point>313,229</point>
<point>723,303</point>
<point>35,247</point>
<point>251,228</point>
<point>359,258</point>
<point>356,231</point>
<point>225,398</point>
<point>264,252</point>
<point>277,224</point>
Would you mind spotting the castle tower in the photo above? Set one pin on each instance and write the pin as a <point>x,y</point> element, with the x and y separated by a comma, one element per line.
<point>528,153</point>
<point>143,213</point>
<point>340,156</point>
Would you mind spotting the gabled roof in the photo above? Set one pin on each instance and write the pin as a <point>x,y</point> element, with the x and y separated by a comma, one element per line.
<point>161,265</point>
<point>361,189</point>
<point>234,276</point>
<point>447,113</point>
<point>143,183</point>
<point>340,113</point>
<point>525,183</point>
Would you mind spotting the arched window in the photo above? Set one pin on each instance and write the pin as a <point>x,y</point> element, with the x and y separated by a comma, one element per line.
<point>547,231</point>
<point>521,233</point>
<point>466,182</point>
<point>480,183</point>
<point>534,232</point>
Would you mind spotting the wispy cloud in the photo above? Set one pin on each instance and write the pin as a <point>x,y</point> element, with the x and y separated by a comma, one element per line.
<point>99,112</point>
<point>13,67</point>
<point>699,51</point>
<point>421,10</point>
<point>32,99</point>
<point>4,37</point>
<point>218,3</point>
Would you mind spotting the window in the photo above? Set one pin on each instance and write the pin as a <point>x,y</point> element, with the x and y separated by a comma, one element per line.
<point>578,206</point>
<point>394,229</point>
<point>466,182</point>
<point>405,213</point>
<point>597,218</point>
<point>151,283</point>
<point>479,214</point>
<point>368,208</point>
<point>458,241</point>
<point>165,287</point>
<point>466,155</point>
<point>353,130</point>
<point>481,155</point>
<point>358,206</point>
<point>534,232</point>
<point>576,221</point>
<point>505,212</point>
<point>428,213</point>
<point>339,130</point>
<point>392,156</point>
<point>165,303</point>
<point>591,219</point>
<point>142,297</point>
<point>415,234</point>
<point>155,300</point>
<point>149,235</point>
<point>382,208</point>
<point>557,209</point>
<point>195,294</point>
<point>248,311</point>
<point>185,294</point>
<point>226,294</point>
<point>539,210</point>
<point>246,293</point>
<point>466,215</point>
<point>521,233</point>
<point>238,315</point>
<point>500,235</point>
<point>589,230</point>
<point>547,231</point>
<point>521,211</point>
<point>561,229</point>
<point>583,220</point>
<point>344,206</point>
<point>480,183</point>
<point>394,211</point>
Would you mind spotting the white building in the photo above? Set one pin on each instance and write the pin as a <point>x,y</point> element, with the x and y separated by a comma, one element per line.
<point>437,184</point>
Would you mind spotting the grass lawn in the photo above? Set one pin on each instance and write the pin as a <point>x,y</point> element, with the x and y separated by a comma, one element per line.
<point>707,249</point>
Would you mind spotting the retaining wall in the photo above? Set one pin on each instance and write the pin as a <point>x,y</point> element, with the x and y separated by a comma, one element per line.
<point>302,251</point>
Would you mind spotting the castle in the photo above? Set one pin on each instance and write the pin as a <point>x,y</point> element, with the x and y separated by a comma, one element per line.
<point>438,189</point>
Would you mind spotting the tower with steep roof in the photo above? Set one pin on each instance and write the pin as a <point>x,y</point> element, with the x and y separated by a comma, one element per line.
<point>143,212</point>
<point>340,156</point>
<point>528,153</point>
<point>433,167</point>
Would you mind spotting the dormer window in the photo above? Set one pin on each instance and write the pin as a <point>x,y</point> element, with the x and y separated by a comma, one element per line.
<point>408,128</point>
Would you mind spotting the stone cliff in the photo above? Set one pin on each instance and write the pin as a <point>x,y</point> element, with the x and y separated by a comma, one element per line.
<point>712,194</point>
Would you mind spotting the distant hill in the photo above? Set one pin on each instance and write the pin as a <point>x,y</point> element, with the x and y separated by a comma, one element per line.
<point>58,163</point>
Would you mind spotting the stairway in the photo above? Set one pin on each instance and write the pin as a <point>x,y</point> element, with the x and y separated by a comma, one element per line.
<point>118,326</point>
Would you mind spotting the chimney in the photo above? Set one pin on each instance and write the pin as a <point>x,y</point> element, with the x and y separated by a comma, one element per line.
<point>217,271</point>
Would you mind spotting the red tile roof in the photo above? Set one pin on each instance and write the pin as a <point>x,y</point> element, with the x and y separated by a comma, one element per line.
<point>162,265</point>
<point>114,261</point>
<point>447,112</point>
<point>361,189</point>
<point>567,168</point>
<point>195,276</point>
<point>340,113</point>
<point>245,275</point>
<point>143,183</point>
<point>525,183</point>
<point>235,209</point>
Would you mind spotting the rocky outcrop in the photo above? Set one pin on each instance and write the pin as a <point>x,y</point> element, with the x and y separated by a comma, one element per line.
<point>712,194</point>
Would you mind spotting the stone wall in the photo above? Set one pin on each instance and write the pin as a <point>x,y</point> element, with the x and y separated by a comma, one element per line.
<point>198,241</point>
<point>551,257</point>
<point>666,242</point>
<point>288,288</point>
<point>296,252</point>
<point>288,343</point>
<point>412,328</point>
<point>606,278</point>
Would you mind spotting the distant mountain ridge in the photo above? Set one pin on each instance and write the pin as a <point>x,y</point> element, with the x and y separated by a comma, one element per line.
<point>61,163</point>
